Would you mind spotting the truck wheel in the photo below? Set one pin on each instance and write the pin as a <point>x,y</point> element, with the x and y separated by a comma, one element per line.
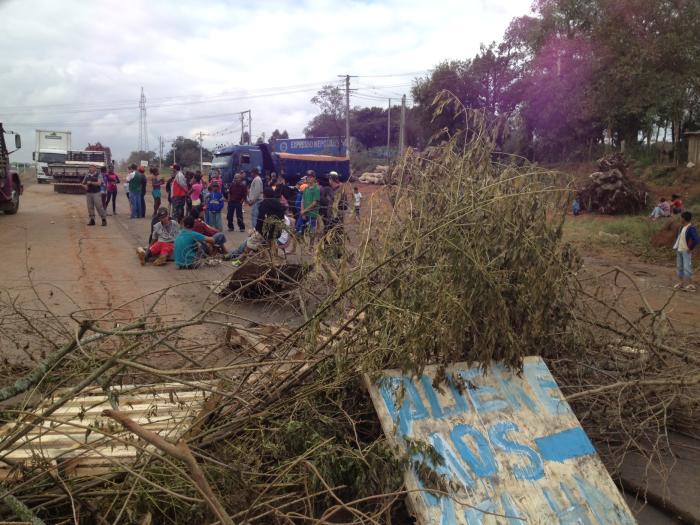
<point>13,205</point>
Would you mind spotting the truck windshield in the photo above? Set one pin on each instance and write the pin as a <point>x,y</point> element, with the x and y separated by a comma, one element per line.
<point>222,161</point>
<point>52,157</point>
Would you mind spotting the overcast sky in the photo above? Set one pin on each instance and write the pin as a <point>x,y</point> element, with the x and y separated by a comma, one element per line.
<point>80,65</point>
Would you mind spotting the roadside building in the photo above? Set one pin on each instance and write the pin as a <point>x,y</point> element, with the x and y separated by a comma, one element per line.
<point>693,147</point>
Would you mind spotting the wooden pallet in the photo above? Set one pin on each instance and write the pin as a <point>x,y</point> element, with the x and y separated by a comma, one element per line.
<point>79,441</point>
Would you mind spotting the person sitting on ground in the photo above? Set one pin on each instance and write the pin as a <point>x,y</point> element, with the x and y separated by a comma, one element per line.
<point>271,216</point>
<point>662,209</point>
<point>202,227</point>
<point>686,240</point>
<point>677,204</point>
<point>162,238</point>
<point>188,250</point>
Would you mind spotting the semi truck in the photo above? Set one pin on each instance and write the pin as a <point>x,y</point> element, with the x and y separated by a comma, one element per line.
<point>291,166</point>
<point>50,147</point>
<point>10,184</point>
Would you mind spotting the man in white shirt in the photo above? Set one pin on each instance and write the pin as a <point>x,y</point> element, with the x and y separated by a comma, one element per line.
<point>255,196</point>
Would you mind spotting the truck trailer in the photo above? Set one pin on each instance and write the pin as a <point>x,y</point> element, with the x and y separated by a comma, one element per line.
<point>50,147</point>
<point>67,176</point>
<point>292,167</point>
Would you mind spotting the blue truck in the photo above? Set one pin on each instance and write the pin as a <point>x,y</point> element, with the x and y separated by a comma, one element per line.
<point>291,166</point>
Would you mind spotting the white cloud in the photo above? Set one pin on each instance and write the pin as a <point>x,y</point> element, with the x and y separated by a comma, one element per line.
<point>62,60</point>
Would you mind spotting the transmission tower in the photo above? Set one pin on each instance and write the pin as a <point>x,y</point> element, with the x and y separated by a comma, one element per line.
<point>143,124</point>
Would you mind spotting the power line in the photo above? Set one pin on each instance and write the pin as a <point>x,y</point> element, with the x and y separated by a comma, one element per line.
<point>167,101</point>
<point>396,74</point>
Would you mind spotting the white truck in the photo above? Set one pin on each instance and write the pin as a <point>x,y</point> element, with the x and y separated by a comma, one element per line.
<point>52,147</point>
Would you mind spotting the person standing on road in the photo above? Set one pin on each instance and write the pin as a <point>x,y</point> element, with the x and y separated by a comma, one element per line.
<point>156,182</point>
<point>103,186</point>
<point>136,182</point>
<point>358,201</point>
<point>144,186</point>
<point>236,195</point>
<point>112,186</point>
<point>215,203</point>
<point>179,193</point>
<point>255,195</point>
<point>686,240</point>
<point>92,182</point>
<point>310,203</point>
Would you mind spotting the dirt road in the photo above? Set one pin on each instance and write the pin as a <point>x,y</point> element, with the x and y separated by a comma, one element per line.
<point>50,255</point>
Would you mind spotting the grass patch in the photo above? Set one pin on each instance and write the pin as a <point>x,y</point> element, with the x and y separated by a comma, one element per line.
<point>629,234</point>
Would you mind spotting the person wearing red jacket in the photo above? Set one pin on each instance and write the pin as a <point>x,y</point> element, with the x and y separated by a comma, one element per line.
<point>208,231</point>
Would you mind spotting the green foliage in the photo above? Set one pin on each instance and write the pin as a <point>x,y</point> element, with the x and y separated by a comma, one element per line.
<point>579,69</point>
<point>461,267</point>
<point>630,234</point>
<point>187,153</point>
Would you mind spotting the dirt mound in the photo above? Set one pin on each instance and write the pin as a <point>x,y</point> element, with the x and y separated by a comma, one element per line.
<point>666,236</point>
<point>611,191</point>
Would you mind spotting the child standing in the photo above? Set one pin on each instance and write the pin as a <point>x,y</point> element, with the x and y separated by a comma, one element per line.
<point>358,201</point>
<point>215,203</point>
<point>686,240</point>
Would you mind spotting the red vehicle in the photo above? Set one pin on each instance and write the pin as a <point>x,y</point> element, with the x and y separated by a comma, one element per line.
<point>10,185</point>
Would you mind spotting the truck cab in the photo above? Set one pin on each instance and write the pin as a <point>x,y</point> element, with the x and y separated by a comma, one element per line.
<point>245,158</point>
<point>52,147</point>
<point>10,185</point>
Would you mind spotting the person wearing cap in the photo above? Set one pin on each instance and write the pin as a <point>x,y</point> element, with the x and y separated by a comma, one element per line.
<point>310,202</point>
<point>136,180</point>
<point>92,183</point>
<point>162,239</point>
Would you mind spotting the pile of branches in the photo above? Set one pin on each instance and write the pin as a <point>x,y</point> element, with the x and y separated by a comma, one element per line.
<point>611,190</point>
<point>467,265</point>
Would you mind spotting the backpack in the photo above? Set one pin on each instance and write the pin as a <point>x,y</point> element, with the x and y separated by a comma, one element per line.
<point>215,203</point>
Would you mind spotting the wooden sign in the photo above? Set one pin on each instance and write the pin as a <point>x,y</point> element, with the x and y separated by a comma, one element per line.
<point>508,447</point>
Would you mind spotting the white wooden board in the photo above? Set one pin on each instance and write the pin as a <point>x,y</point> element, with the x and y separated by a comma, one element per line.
<point>512,450</point>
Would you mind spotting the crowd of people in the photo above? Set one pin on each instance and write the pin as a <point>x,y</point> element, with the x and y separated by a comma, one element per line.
<point>189,229</point>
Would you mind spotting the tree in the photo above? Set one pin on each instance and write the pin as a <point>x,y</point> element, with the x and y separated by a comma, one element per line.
<point>331,121</point>
<point>261,139</point>
<point>245,138</point>
<point>187,153</point>
<point>135,157</point>
<point>277,135</point>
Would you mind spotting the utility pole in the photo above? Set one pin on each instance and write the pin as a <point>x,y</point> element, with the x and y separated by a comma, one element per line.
<point>242,128</point>
<point>200,150</point>
<point>347,116</point>
<point>347,113</point>
<point>402,125</point>
<point>160,152</point>
<point>388,132</point>
<point>250,128</point>
<point>174,159</point>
